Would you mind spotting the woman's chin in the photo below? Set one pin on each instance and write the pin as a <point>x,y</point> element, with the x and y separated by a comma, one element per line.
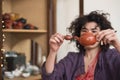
<point>96,45</point>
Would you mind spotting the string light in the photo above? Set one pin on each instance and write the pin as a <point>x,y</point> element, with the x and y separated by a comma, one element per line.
<point>3,50</point>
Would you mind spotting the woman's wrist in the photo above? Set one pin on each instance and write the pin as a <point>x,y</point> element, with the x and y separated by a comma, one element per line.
<point>53,51</point>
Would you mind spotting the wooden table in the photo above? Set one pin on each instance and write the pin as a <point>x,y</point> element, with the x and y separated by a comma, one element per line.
<point>33,77</point>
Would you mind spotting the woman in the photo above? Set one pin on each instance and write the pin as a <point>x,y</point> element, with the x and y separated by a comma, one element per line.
<point>93,62</point>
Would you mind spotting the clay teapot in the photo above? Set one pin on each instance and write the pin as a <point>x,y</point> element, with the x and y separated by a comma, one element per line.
<point>85,39</point>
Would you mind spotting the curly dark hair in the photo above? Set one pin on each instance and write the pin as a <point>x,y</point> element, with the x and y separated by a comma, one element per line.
<point>94,16</point>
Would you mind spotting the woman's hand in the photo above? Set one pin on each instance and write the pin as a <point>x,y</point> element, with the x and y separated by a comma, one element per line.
<point>108,37</point>
<point>55,42</point>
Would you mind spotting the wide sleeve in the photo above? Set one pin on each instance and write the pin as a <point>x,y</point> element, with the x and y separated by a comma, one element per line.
<point>61,69</point>
<point>117,64</point>
<point>115,59</point>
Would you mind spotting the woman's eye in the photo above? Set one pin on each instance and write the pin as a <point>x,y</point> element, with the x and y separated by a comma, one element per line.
<point>83,30</point>
<point>94,31</point>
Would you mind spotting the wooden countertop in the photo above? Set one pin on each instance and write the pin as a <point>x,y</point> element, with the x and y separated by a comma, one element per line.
<point>33,77</point>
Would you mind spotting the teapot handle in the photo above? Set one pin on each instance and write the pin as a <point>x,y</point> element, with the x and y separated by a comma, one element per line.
<point>69,37</point>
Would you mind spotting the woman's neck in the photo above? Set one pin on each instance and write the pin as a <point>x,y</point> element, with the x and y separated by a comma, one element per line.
<point>91,53</point>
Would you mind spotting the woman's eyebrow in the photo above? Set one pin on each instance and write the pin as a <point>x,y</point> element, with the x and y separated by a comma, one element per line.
<point>83,28</point>
<point>95,28</point>
<point>91,28</point>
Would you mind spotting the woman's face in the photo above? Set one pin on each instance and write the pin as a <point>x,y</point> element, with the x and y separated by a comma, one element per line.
<point>93,28</point>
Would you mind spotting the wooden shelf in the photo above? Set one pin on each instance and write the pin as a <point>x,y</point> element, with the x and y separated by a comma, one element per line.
<point>23,31</point>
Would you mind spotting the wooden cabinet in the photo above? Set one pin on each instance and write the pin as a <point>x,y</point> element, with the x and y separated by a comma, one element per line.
<point>40,13</point>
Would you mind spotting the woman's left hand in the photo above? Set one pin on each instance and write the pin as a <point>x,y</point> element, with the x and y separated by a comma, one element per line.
<point>108,36</point>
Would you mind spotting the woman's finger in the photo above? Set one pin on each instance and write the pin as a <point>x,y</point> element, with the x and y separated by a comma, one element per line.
<point>101,35</point>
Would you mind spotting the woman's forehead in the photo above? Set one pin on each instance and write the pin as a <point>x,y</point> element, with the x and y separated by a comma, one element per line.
<point>90,25</point>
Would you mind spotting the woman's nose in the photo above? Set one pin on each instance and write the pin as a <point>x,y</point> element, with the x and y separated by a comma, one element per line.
<point>89,31</point>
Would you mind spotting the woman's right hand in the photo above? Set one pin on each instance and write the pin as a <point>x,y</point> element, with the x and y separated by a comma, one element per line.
<point>55,42</point>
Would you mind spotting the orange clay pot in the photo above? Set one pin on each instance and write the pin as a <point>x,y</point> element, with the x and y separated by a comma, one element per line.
<point>85,39</point>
